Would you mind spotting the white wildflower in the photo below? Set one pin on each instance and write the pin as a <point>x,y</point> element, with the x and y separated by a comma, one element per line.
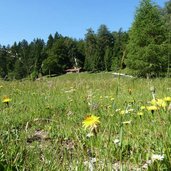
<point>90,163</point>
<point>157,157</point>
<point>116,141</point>
<point>145,166</point>
<point>89,135</point>
<point>126,122</point>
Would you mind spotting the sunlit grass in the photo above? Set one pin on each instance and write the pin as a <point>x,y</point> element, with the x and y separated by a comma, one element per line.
<point>41,127</point>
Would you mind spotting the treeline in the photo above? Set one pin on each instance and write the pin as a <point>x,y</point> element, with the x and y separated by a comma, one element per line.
<point>144,49</point>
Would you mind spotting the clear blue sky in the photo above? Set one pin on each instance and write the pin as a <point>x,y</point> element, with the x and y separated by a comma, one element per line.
<point>29,19</point>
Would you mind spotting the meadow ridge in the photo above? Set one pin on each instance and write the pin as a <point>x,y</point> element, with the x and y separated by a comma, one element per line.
<point>85,122</point>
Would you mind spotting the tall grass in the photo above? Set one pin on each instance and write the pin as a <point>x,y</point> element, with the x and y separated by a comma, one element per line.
<point>41,129</point>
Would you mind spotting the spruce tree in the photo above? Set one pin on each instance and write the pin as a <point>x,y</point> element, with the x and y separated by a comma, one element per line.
<point>120,42</point>
<point>104,41</point>
<point>167,17</point>
<point>90,51</point>
<point>147,47</point>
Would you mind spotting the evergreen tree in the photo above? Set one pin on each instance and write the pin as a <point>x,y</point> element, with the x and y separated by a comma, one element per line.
<point>24,56</point>
<point>20,69</point>
<point>57,36</point>
<point>121,40</point>
<point>147,36</point>
<point>72,53</point>
<point>104,41</point>
<point>50,42</point>
<point>108,58</point>
<point>11,60</point>
<point>37,55</point>
<point>90,51</point>
<point>167,16</point>
<point>58,59</point>
<point>167,13</point>
<point>3,62</point>
<point>80,46</point>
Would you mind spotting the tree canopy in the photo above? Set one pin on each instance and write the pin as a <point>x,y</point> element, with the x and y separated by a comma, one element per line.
<point>147,41</point>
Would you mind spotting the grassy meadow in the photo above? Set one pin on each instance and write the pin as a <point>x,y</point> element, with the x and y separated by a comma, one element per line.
<point>41,126</point>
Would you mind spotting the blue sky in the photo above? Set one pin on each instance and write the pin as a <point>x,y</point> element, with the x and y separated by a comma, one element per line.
<point>29,19</point>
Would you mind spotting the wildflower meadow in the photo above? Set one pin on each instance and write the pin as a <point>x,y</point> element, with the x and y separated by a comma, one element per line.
<point>85,122</point>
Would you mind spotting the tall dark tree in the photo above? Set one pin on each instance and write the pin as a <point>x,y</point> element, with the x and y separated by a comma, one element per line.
<point>71,49</point>
<point>50,42</point>
<point>90,51</point>
<point>119,50</point>
<point>108,58</point>
<point>167,16</point>
<point>57,36</point>
<point>147,36</point>
<point>80,45</point>
<point>3,62</point>
<point>104,41</point>
<point>37,55</point>
<point>24,57</point>
<point>20,70</point>
<point>12,58</point>
<point>167,12</point>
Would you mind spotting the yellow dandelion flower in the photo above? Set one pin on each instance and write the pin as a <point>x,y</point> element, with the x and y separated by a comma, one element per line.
<point>91,122</point>
<point>167,99</point>
<point>6,99</point>
<point>140,113</point>
<point>152,108</point>
<point>101,97</point>
<point>161,103</point>
<point>142,107</point>
<point>122,112</point>
<point>1,86</point>
<point>154,102</point>
<point>112,99</point>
